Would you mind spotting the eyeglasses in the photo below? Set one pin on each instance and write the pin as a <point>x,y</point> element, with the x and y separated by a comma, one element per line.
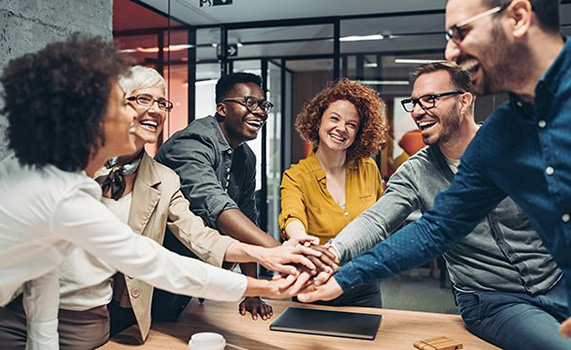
<point>427,101</point>
<point>148,100</point>
<point>457,32</point>
<point>252,103</point>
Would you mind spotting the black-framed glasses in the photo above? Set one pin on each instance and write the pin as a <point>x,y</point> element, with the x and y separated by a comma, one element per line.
<point>252,103</point>
<point>148,100</point>
<point>458,32</point>
<point>426,101</point>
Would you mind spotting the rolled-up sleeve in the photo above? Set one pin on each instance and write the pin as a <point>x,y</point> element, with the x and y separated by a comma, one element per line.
<point>293,203</point>
<point>193,158</point>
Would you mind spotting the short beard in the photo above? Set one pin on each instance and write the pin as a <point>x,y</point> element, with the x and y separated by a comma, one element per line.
<point>502,53</point>
<point>450,125</point>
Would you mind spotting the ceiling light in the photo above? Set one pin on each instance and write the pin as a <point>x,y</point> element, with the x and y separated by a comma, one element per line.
<point>371,65</point>
<point>362,37</point>
<point>180,47</point>
<point>206,82</point>
<point>384,82</point>
<point>171,48</point>
<point>415,60</point>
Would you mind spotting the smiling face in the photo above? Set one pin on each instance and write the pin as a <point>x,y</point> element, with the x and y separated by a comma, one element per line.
<point>338,126</point>
<point>239,124</point>
<point>119,125</point>
<point>486,51</point>
<point>150,120</point>
<point>439,123</point>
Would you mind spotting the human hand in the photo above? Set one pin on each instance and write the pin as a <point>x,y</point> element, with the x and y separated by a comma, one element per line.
<point>328,291</point>
<point>277,288</point>
<point>255,306</point>
<point>305,277</point>
<point>302,239</point>
<point>327,262</point>
<point>284,259</point>
<point>323,276</point>
<point>565,328</point>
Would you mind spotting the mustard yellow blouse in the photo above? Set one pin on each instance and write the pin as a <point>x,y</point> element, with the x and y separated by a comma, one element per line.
<point>305,196</point>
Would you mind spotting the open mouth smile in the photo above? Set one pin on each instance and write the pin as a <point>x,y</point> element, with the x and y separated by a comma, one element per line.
<point>337,138</point>
<point>255,123</point>
<point>150,125</point>
<point>425,124</point>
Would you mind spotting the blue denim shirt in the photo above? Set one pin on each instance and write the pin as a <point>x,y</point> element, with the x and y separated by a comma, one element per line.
<point>522,151</point>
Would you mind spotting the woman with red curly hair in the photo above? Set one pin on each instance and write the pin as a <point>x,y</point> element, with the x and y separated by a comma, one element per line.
<point>338,180</point>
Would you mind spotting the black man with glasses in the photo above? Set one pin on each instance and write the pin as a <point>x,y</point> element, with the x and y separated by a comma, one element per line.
<point>217,168</point>
<point>500,272</point>
<point>522,151</point>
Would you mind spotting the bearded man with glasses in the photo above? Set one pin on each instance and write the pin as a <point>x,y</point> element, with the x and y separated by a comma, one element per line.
<point>507,287</point>
<point>523,150</point>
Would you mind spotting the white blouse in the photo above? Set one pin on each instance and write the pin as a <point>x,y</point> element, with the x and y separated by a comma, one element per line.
<point>85,281</point>
<point>45,212</point>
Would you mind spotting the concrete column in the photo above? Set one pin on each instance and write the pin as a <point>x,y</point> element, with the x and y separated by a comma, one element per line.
<point>29,25</point>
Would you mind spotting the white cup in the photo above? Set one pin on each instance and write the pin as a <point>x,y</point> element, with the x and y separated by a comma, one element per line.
<point>207,341</point>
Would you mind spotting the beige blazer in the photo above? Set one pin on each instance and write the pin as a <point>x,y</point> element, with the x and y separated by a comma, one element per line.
<point>158,203</point>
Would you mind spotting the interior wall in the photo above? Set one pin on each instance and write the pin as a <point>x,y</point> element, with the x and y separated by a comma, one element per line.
<point>305,86</point>
<point>28,26</point>
<point>485,105</point>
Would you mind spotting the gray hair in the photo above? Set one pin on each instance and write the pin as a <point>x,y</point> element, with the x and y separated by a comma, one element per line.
<point>140,77</point>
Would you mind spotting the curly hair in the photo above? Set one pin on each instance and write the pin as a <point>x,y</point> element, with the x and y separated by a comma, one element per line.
<point>371,108</point>
<point>56,100</point>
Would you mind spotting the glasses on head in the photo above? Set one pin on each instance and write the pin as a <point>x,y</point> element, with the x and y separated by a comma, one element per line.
<point>427,101</point>
<point>457,32</point>
<point>252,103</point>
<point>148,100</point>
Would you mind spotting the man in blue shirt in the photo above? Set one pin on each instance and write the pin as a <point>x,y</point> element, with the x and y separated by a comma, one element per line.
<point>508,288</point>
<point>523,150</point>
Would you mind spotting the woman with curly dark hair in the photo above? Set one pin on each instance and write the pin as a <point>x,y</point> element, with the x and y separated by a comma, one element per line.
<point>67,116</point>
<point>338,180</point>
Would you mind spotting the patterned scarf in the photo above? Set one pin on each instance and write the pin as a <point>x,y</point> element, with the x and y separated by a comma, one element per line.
<point>113,177</point>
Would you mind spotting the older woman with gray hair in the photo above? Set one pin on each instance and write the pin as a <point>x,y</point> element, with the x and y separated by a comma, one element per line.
<point>145,195</point>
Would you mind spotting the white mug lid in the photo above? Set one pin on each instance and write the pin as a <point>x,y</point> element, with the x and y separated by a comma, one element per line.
<point>206,340</point>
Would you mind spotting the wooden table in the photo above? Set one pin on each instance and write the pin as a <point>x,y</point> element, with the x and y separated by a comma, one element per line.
<point>399,330</point>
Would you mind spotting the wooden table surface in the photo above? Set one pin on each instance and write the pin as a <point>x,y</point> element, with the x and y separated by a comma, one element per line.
<point>399,330</point>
